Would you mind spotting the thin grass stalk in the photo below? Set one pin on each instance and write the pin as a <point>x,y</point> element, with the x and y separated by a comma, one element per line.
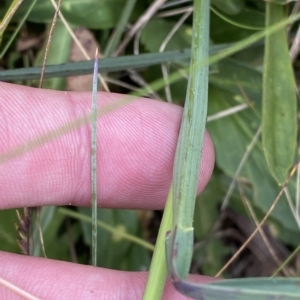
<point>17,290</point>
<point>94,162</point>
<point>49,42</point>
<point>285,263</point>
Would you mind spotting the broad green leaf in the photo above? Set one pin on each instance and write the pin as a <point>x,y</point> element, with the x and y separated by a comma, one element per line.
<point>240,79</point>
<point>287,236</point>
<point>251,56</point>
<point>156,31</point>
<point>279,115</point>
<point>206,208</point>
<point>231,136</point>
<point>177,89</point>
<point>205,217</point>
<point>230,7</point>
<point>90,13</point>
<point>8,232</point>
<point>57,238</point>
<point>223,31</point>
<point>282,2</point>
<point>56,55</point>
<point>137,258</point>
<point>41,223</point>
<point>112,249</point>
<point>216,251</point>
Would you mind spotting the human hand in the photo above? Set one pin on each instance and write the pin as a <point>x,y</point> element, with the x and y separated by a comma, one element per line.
<point>136,146</point>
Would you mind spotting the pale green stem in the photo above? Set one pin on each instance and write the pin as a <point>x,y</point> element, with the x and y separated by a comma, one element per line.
<point>94,162</point>
<point>158,268</point>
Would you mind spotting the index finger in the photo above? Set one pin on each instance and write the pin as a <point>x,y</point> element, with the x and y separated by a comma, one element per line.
<point>136,146</point>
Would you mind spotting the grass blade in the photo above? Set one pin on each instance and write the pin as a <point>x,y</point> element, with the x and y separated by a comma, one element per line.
<point>189,147</point>
<point>113,42</point>
<point>158,268</point>
<point>111,64</point>
<point>94,162</point>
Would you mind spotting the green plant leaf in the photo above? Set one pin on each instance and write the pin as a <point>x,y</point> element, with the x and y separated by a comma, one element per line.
<point>244,289</point>
<point>223,31</point>
<point>111,64</point>
<point>157,30</point>
<point>205,217</point>
<point>56,238</point>
<point>240,79</point>
<point>231,136</point>
<point>56,55</point>
<point>113,249</point>
<point>90,13</point>
<point>8,231</point>
<point>206,208</point>
<point>230,7</point>
<point>279,117</point>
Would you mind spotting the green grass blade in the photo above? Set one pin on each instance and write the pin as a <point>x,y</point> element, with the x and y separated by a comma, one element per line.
<point>94,162</point>
<point>114,64</point>
<point>113,42</point>
<point>279,113</point>
<point>111,64</point>
<point>243,289</point>
<point>189,147</point>
<point>45,218</point>
<point>158,268</point>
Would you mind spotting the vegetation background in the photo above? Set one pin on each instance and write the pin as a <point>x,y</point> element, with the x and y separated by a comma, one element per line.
<point>241,189</point>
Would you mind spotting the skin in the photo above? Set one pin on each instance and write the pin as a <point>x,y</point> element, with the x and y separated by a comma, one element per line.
<point>136,146</point>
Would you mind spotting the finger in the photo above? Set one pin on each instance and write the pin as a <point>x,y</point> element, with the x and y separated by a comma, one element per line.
<point>136,145</point>
<point>49,279</point>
